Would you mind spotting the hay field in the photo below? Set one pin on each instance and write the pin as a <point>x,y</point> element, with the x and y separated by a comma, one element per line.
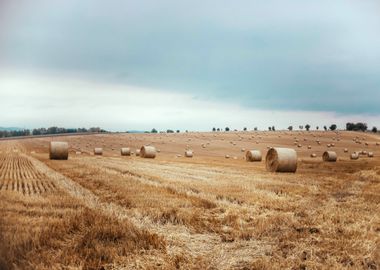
<point>205,212</point>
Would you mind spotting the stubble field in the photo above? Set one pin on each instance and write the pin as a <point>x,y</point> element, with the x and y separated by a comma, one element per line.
<point>205,212</point>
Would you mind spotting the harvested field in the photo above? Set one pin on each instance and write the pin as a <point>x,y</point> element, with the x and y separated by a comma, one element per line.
<point>206,212</point>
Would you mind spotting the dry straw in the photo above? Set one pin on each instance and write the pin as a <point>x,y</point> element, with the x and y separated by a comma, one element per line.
<point>148,151</point>
<point>253,155</point>
<point>329,156</point>
<point>98,151</point>
<point>281,160</point>
<point>59,150</point>
<point>125,151</point>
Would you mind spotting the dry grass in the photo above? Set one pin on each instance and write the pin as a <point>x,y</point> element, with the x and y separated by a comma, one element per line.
<point>207,212</point>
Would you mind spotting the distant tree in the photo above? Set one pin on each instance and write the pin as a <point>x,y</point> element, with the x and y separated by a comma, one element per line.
<point>356,126</point>
<point>227,129</point>
<point>307,126</point>
<point>325,128</point>
<point>213,129</point>
<point>317,127</point>
<point>245,129</point>
<point>300,127</point>
<point>273,128</point>
<point>169,131</point>
<point>374,129</point>
<point>333,127</point>
<point>178,131</point>
<point>290,128</point>
<point>270,128</point>
<point>154,130</point>
<point>255,128</point>
<point>218,129</point>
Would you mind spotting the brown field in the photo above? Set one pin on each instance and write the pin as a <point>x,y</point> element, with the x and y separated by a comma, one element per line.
<point>205,212</point>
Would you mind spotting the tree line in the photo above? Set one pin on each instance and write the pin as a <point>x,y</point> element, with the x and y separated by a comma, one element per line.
<point>349,126</point>
<point>47,131</point>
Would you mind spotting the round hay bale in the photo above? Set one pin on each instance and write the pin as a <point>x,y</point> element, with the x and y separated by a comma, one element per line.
<point>98,151</point>
<point>309,147</point>
<point>354,156</point>
<point>253,156</point>
<point>370,154</point>
<point>329,156</point>
<point>227,156</point>
<point>148,151</point>
<point>137,152</point>
<point>189,153</point>
<point>281,160</point>
<point>345,150</point>
<point>125,151</point>
<point>377,143</point>
<point>364,153</point>
<point>59,150</point>
<point>313,155</point>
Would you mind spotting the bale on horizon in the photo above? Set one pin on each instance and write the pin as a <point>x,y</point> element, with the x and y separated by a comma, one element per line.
<point>253,156</point>
<point>125,151</point>
<point>98,151</point>
<point>148,151</point>
<point>59,150</point>
<point>281,160</point>
<point>329,156</point>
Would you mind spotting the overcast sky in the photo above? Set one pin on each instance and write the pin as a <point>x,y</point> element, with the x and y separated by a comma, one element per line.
<point>189,64</point>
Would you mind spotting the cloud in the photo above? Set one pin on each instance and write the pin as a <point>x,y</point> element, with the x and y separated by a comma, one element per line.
<point>267,55</point>
<point>34,101</point>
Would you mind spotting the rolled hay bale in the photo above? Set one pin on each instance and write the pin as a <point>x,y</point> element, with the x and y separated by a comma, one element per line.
<point>281,160</point>
<point>227,156</point>
<point>377,143</point>
<point>370,154</point>
<point>299,145</point>
<point>329,156</point>
<point>354,156</point>
<point>328,145</point>
<point>253,156</point>
<point>345,150</point>
<point>364,153</point>
<point>313,155</point>
<point>148,151</point>
<point>59,150</point>
<point>189,153</point>
<point>137,152</point>
<point>98,151</point>
<point>242,150</point>
<point>125,151</point>
<point>309,147</point>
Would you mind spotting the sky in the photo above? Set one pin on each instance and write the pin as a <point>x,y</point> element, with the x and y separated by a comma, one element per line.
<point>194,65</point>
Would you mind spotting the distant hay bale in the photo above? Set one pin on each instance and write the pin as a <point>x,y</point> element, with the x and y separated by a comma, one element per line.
<point>328,145</point>
<point>329,156</point>
<point>59,150</point>
<point>313,155</point>
<point>98,151</point>
<point>253,156</point>
<point>281,160</point>
<point>227,156</point>
<point>243,149</point>
<point>125,151</point>
<point>189,153</point>
<point>345,150</point>
<point>78,153</point>
<point>148,151</point>
<point>377,143</point>
<point>299,145</point>
<point>354,156</point>
<point>137,152</point>
<point>370,154</point>
<point>364,153</point>
<point>309,147</point>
